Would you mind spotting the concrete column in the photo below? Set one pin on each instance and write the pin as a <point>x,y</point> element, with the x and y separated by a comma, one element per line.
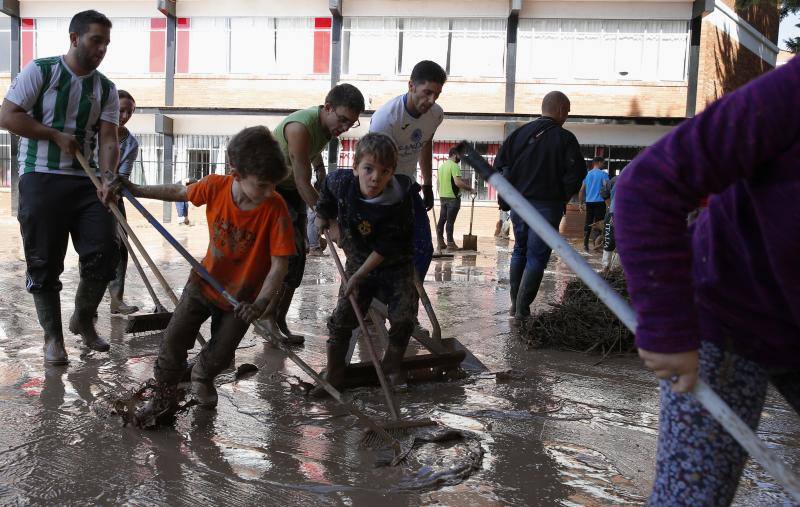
<point>511,61</point>
<point>11,8</point>
<point>700,9</point>
<point>336,70</point>
<point>164,126</point>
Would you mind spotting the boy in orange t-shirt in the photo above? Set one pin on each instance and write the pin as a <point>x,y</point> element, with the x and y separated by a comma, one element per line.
<point>250,241</point>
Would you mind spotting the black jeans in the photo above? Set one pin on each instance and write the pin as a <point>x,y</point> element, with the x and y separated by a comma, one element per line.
<point>450,207</point>
<point>53,207</point>
<point>595,211</point>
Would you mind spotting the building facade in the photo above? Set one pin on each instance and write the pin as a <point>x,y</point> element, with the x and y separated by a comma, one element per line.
<point>200,72</point>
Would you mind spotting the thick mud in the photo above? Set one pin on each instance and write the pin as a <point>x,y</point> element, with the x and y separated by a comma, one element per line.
<point>538,427</point>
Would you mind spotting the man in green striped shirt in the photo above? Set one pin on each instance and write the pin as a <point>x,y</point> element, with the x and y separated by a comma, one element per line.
<point>58,106</point>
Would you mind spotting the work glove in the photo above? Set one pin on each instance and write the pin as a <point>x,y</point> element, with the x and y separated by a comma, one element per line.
<point>427,197</point>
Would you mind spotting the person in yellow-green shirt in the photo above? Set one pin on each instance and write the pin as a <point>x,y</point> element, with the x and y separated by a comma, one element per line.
<point>450,186</point>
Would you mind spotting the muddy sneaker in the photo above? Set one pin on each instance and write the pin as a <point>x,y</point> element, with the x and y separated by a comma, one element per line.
<point>205,393</point>
<point>419,330</point>
<point>317,252</point>
<point>160,409</point>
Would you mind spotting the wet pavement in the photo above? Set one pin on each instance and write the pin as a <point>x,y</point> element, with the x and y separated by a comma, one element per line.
<point>558,429</point>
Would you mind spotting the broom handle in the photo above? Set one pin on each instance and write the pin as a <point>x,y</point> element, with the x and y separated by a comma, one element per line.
<point>387,391</point>
<point>124,223</point>
<point>262,330</point>
<point>139,268</point>
<point>471,213</point>
<point>126,227</point>
<point>704,394</point>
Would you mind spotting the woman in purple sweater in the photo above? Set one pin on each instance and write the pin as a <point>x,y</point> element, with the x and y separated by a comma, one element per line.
<point>720,299</point>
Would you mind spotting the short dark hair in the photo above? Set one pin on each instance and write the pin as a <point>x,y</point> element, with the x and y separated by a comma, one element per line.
<point>80,22</point>
<point>346,95</point>
<point>427,70</point>
<point>254,151</point>
<point>379,146</point>
<point>125,95</point>
<point>453,151</point>
<point>598,160</point>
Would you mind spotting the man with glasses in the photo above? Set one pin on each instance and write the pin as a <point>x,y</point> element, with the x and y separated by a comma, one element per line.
<point>302,136</point>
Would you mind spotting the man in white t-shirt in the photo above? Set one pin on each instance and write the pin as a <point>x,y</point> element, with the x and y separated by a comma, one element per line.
<point>411,121</point>
<point>58,106</point>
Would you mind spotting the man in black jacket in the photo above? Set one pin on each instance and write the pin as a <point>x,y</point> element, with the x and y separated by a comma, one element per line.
<point>543,161</point>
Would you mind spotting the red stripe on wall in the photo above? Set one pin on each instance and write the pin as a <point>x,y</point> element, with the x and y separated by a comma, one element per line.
<point>322,45</point>
<point>158,44</point>
<point>182,56</point>
<point>28,25</point>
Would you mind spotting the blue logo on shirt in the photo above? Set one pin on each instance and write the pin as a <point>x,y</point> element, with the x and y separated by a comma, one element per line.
<point>416,136</point>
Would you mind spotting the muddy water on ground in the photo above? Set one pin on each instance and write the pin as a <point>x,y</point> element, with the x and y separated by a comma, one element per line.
<point>557,429</point>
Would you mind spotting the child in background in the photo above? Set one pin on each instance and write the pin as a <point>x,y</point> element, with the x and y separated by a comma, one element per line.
<point>373,208</point>
<point>128,153</point>
<point>722,299</point>
<point>250,241</point>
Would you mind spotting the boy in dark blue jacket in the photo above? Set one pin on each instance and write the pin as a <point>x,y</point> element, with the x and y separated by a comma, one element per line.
<point>368,211</point>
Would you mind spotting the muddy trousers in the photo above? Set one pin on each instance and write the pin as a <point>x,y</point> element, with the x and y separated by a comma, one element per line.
<point>394,286</point>
<point>448,212</point>
<point>698,462</point>
<point>192,310</point>
<point>297,213</point>
<point>53,207</point>
<point>116,287</point>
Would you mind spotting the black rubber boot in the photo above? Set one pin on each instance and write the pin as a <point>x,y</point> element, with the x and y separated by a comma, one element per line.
<point>48,310</point>
<point>203,387</point>
<point>528,287</point>
<point>280,317</point>
<point>87,298</point>
<point>515,277</point>
<point>160,409</point>
<point>335,370</point>
<point>393,362</point>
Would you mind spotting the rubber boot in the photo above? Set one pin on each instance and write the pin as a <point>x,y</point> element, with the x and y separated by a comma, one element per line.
<point>335,369</point>
<point>515,277</point>
<point>203,387</point>
<point>280,317</point>
<point>87,298</point>
<point>48,309</point>
<point>440,244</point>
<point>393,362</point>
<point>159,409</point>
<point>118,307</point>
<point>451,245</point>
<point>528,287</point>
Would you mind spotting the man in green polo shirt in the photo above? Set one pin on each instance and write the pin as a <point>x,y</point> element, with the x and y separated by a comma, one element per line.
<point>302,136</point>
<point>450,186</point>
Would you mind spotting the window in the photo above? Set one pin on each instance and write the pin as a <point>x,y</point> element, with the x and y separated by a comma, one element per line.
<point>478,48</point>
<point>424,39</point>
<point>248,45</point>
<point>370,46</point>
<point>133,48</point>
<point>578,49</point>
<point>199,163</point>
